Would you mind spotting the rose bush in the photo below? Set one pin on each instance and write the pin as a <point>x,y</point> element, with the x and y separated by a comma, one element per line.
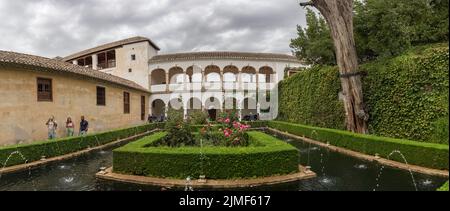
<point>230,131</point>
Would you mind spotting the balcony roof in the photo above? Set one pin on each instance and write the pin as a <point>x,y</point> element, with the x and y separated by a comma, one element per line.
<point>112,45</point>
<point>223,55</point>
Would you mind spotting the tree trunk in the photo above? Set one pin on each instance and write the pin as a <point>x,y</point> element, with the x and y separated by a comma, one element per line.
<point>339,16</point>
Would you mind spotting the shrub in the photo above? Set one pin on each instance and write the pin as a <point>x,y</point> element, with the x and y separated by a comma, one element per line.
<point>234,132</point>
<point>417,153</point>
<point>444,187</point>
<point>198,118</point>
<point>179,131</point>
<point>270,157</point>
<point>52,148</point>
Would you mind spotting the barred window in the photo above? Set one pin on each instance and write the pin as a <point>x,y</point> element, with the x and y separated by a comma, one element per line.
<point>44,90</point>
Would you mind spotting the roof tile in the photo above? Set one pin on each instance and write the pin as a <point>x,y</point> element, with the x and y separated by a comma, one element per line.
<point>42,63</point>
<point>109,46</point>
<point>223,55</point>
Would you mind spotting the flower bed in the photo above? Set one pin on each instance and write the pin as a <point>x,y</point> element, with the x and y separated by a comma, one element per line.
<point>266,156</point>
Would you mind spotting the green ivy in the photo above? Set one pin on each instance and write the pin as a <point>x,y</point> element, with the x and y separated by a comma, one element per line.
<point>406,96</point>
<point>311,97</point>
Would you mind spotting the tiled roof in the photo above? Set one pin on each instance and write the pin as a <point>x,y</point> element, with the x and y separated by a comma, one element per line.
<point>223,55</point>
<point>52,65</point>
<point>109,46</point>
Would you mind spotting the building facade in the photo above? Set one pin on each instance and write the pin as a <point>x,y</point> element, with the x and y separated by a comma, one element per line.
<point>32,89</point>
<point>218,81</point>
<point>122,83</point>
<point>208,81</point>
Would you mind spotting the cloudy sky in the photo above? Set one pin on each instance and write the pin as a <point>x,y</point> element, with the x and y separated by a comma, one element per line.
<point>60,27</point>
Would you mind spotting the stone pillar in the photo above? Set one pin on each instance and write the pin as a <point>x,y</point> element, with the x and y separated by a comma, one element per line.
<point>203,79</point>
<point>239,86</point>
<point>258,108</point>
<point>185,113</point>
<point>166,110</point>
<point>184,80</point>
<point>167,82</point>
<point>222,82</point>
<point>95,62</point>
<point>257,80</point>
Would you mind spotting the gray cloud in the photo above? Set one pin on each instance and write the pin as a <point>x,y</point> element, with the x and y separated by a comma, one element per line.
<point>60,27</point>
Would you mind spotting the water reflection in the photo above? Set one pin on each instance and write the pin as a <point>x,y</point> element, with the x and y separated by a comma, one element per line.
<point>335,172</point>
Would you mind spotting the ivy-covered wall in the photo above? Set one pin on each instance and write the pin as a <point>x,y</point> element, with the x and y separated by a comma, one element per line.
<point>311,97</point>
<point>406,96</point>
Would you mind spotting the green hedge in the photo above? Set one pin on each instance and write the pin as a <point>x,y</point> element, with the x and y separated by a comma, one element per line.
<point>406,96</point>
<point>444,187</point>
<point>52,148</point>
<point>418,153</point>
<point>310,97</point>
<point>270,157</point>
<point>257,124</point>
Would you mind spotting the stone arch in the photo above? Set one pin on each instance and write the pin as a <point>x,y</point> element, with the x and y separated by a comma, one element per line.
<point>194,104</point>
<point>176,75</point>
<point>213,106</point>
<point>158,76</point>
<point>248,74</point>
<point>194,74</point>
<point>212,73</point>
<point>249,107</point>
<point>267,73</point>
<point>176,103</point>
<point>230,73</point>
<point>158,108</point>
<point>230,103</point>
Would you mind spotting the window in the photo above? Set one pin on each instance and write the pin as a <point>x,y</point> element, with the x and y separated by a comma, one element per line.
<point>85,62</point>
<point>130,70</point>
<point>80,62</point>
<point>126,102</point>
<point>101,96</point>
<point>44,90</point>
<point>107,59</point>
<point>133,57</point>
<point>111,58</point>
<point>142,108</point>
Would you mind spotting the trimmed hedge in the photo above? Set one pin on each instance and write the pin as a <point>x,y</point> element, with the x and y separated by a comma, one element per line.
<point>418,153</point>
<point>444,187</point>
<point>406,96</point>
<point>53,148</point>
<point>270,157</point>
<point>257,124</point>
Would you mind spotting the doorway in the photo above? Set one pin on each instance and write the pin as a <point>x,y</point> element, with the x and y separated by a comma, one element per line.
<point>212,114</point>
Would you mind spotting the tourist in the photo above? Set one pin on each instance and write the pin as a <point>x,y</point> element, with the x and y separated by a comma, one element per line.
<point>84,126</point>
<point>69,127</point>
<point>149,118</point>
<point>52,127</point>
